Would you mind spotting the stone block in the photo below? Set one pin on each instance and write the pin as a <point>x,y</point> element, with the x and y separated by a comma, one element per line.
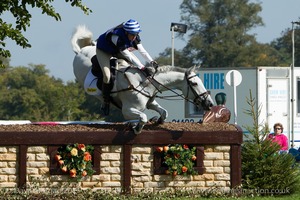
<point>8,185</point>
<point>3,164</point>
<point>215,183</point>
<point>104,163</point>
<point>175,184</point>
<point>163,178</point>
<point>42,157</point>
<point>222,163</point>
<point>7,171</point>
<point>116,177</point>
<point>101,177</point>
<point>37,164</point>
<point>136,157</point>
<point>115,163</point>
<point>105,149</point>
<point>116,149</point>
<point>147,157</point>
<point>3,149</point>
<point>32,171</point>
<point>222,177</point>
<point>37,149</point>
<point>141,173</point>
<point>195,184</point>
<point>12,150</point>
<point>222,148</point>
<point>214,170</point>
<point>89,184</point>
<point>30,156</point>
<point>208,163</point>
<point>44,170</point>
<point>8,157</point>
<point>111,184</point>
<point>141,150</point>
<point>11,164</point>
<point>110,156</point>
<point>110,170</point>
<point>154,184</point>
<point>203,177</point>
<point>142,178</point>
<point>213,156</point>
<point>3,178</point>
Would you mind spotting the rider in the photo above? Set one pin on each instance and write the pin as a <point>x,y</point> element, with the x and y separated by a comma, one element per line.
<point>119,42</point>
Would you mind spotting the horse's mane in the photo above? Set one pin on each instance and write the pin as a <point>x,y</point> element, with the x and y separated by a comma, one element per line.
<point>168,68</point>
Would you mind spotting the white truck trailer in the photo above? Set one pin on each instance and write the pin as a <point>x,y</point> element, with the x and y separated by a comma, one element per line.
<point>270,86</point>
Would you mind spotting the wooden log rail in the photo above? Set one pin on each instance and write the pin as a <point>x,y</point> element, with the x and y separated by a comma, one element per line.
<point>125,138</point>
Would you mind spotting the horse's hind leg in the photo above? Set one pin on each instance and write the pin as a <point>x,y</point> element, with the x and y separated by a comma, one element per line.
<point>134,114</point>
<point>163,112</point>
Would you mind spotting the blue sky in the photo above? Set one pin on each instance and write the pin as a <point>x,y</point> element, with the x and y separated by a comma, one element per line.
<point>50,39</point>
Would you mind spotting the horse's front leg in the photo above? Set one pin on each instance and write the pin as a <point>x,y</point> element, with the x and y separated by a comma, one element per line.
<point>153,105</point>
<point>135,114</point>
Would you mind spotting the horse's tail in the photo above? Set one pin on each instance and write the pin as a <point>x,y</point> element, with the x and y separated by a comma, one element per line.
<point>82,37</point>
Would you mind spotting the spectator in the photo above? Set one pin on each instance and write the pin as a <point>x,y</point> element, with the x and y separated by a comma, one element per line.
<point>279,137</point>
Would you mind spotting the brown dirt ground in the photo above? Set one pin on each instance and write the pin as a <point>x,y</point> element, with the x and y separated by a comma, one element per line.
<point>169,126</point>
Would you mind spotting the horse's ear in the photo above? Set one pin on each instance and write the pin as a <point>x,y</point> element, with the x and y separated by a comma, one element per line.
<point>197,67</point>
<point>193,69</point>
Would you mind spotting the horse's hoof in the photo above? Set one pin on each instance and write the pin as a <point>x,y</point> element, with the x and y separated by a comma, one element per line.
<point>156,121</point>
<point>136,132</point>
<point>160,121</point>
<point>153,119</point>
<point>137,129</point>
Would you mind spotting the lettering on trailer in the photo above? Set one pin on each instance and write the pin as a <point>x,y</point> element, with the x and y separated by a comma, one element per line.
<point>214,81</point>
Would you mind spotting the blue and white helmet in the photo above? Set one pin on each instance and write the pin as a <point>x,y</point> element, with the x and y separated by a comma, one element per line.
<point>132,27</point>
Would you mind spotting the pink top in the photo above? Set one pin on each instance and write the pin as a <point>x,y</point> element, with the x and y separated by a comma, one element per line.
<point>280,139</point>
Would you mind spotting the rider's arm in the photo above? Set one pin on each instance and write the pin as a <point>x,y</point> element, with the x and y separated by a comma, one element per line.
<point>134,60</point>
<point>127,54</point>
<point>144,53</point>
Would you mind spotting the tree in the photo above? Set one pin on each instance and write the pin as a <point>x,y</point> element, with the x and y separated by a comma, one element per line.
<point>284,46</point>
<point>29,93</point>
<point>20,12</point>
<point>264,169</point>
<point>219,32</point>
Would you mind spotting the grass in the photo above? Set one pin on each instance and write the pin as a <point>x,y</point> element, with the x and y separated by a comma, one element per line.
<point>31,193</point>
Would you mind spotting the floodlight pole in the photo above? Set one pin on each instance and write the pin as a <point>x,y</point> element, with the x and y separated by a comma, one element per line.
<point>292,83</point>
<point>172,30</point>
<point>176,27</point>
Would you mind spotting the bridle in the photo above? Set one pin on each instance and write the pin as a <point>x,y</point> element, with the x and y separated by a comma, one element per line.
<point>199,98</point>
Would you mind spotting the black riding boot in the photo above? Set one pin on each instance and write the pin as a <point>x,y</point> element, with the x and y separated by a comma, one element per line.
<point>106,88</point>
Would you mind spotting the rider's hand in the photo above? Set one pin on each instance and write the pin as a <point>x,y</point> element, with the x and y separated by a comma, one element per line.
<point>154,64</point>
<point>149,71</point>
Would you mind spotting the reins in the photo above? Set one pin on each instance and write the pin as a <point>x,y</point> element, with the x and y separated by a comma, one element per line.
<point>130,86</point>
<point>152,80</point>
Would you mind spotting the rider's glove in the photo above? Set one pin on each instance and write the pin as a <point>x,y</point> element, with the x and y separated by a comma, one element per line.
<point>154,64</point>
<point>149,71</point>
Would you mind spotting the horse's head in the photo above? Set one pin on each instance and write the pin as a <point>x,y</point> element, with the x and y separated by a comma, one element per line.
<point>196,90</point>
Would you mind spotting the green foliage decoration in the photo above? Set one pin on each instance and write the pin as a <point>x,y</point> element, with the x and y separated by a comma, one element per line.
<point>76,160</point>
<point>179,159</point>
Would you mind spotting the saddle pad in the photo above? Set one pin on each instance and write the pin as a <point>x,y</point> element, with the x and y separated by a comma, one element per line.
<point>90,85</point>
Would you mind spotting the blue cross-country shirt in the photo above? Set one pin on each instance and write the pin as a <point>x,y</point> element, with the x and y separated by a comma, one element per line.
<point>105,44</point>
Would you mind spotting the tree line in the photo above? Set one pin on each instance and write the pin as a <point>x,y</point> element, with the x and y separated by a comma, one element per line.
<point>29,93</point>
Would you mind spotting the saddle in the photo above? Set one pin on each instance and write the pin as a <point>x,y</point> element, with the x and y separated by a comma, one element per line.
<point>96,71</point>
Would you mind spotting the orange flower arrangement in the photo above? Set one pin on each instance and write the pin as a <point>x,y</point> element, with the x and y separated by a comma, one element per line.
<point>75,159</point>
<point>179,159</point>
